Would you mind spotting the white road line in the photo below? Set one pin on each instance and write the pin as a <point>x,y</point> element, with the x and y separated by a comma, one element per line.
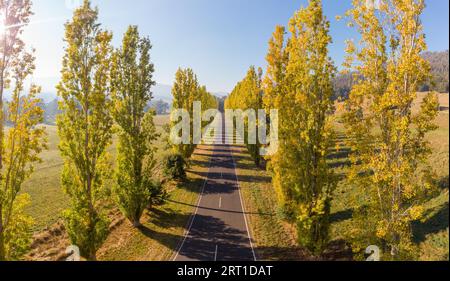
<point>215,254</point>
<point>242,205</point>
<point>196,210</point>
<point>220,203</point>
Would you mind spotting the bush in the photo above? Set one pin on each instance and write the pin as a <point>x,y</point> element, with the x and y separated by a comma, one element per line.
<point>286,212</point>
<point>174,167</point>
<point>158,195</point>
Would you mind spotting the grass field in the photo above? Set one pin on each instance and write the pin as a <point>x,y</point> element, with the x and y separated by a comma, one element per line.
<point>276,241</point>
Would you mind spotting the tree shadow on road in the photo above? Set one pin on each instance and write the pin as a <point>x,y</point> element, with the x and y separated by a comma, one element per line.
<point>222,210</point>
<point>210,239</point>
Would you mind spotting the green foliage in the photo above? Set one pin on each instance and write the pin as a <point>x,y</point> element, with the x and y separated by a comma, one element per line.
<point>158,194</point>
<point>174,166</point>
<point>85,127</point>
<point>17,237</point>
<point>86,229</point>
<point>132,74</point>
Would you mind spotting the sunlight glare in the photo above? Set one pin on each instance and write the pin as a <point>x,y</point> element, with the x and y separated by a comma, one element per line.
<point>2,24</point>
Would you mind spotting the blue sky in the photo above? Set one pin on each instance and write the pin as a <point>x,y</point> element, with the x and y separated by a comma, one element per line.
<point>219,39</point>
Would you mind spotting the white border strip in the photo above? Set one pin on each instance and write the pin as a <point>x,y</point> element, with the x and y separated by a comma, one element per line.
<point>242,204</point>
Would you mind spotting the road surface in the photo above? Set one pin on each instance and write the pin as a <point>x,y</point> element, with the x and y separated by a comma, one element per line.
<point>218,230</point>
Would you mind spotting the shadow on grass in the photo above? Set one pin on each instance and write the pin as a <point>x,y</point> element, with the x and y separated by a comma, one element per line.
<point>341,163</point>
<point>191,185</point>
<point>343,153</point>
<point>171,241</point>
<point>166,219</point>
<point>443,182</point>
<point>341,216</point>
<point>435,224</point>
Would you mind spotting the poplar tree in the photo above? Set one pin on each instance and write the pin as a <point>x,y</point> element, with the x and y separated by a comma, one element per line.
<point>185,91</point>
<point>22,142</point>
<point>273,83</point>
<point>389,139</point>
<point>85,126</point>
<point>132,79</point>
<point>276,67</point>
<point>307,126</point>
<point>299,84</point>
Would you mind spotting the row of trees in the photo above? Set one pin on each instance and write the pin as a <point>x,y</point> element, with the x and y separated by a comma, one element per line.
<point>389,148</point>
<point>187,90</point>
<point>103,91</point>
<point>247,95</point>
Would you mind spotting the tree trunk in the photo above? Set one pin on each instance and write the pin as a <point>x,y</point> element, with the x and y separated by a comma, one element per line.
<point>136,223</point>
<point>395,251</point>
<point>92,257</point>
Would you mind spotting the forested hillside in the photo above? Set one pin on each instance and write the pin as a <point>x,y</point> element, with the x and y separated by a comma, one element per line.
<point>439,71</point>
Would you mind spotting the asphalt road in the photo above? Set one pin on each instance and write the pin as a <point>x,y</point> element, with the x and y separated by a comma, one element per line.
<point>218,231</point>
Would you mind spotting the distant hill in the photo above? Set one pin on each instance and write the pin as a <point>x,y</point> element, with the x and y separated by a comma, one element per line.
<point>439,72</point>
<point>342,84</point>
<point>48,94</point>
<point>162,92</point>
<point>50,112</point>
